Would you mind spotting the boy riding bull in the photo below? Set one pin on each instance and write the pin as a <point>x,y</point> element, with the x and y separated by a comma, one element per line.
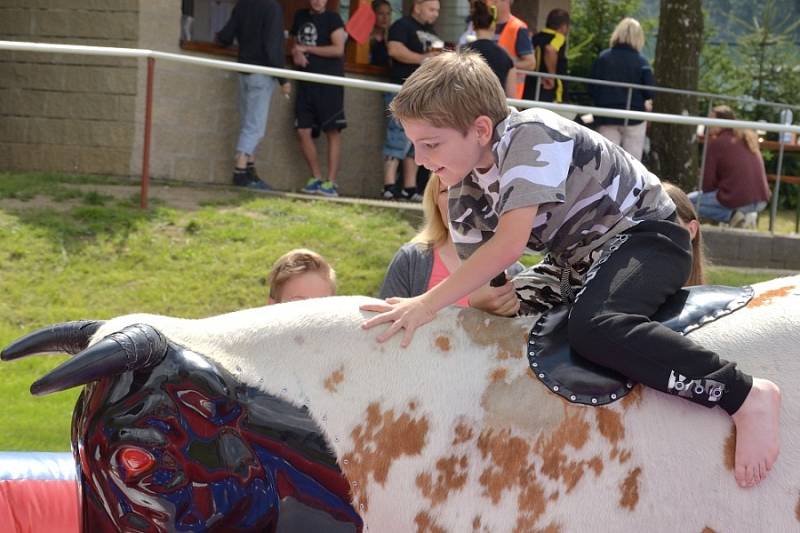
<point>614,247</point>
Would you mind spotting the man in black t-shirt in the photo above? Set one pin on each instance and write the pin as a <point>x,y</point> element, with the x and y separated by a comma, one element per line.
<point>411,40</point>
<point>319,39</point>
<point>549,46</point>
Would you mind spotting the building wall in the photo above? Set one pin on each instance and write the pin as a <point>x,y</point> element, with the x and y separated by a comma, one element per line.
<point>84,114</point>
<point>63,112</point>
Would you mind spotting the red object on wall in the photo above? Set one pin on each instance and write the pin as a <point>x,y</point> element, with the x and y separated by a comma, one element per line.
<point>361,23</point>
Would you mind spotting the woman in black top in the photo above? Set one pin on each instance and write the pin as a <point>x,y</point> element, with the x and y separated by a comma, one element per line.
<point>498,59</point>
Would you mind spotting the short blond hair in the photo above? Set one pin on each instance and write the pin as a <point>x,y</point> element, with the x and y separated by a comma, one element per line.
<point>435,232</point>
<point>629,32</point>
<point>451,90</point>
<point>294,263</point>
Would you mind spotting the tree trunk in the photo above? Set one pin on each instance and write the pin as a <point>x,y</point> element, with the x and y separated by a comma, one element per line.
<point>680,40</point>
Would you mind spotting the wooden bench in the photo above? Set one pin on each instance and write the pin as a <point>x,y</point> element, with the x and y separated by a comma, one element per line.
<point>794,180</point>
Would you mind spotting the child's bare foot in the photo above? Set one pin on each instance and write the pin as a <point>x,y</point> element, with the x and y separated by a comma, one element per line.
<point>756,423</point>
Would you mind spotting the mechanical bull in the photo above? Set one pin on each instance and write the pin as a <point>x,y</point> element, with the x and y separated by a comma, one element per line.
<point>292,418</point>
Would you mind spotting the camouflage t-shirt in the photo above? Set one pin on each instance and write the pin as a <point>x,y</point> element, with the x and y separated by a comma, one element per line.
<point>587,188</point>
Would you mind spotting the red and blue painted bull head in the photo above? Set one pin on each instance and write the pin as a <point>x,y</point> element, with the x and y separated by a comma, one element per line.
<point>167,440</point>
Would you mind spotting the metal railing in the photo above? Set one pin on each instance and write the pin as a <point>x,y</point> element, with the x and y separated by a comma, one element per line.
<point>712,97</point>
<point>152,55</point>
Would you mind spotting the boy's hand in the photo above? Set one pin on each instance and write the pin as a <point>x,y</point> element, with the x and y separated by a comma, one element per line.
<point>403,313</point>
<point>501,301</point>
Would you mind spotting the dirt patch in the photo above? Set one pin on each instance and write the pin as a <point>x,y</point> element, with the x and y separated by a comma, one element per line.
<point>178,197</point>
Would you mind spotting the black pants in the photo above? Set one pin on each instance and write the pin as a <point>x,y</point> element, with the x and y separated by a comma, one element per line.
<point>610,321</point>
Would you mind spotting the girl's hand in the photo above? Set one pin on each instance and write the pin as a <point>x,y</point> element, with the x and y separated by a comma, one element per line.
<point>403,313</point>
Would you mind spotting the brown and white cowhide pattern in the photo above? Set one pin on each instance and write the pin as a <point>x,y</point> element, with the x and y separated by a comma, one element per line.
<point>454,433</point>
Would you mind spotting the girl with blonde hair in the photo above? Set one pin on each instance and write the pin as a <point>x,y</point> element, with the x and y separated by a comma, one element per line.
<point>430,257</point>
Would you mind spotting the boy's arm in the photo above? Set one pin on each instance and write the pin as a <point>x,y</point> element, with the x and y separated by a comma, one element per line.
<point>505,247</point>
<point>335,49</point>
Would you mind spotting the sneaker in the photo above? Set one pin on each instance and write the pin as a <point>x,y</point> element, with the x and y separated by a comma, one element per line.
<point>259,185</point>
<point>241,178</point>
<point>416,197</point>
<point>328,188</point>
<point>388,195</point>
<point>737,219</point>
<point>312,186</point>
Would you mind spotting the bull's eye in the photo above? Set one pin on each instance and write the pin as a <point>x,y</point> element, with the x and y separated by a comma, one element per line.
<point>136,461</point>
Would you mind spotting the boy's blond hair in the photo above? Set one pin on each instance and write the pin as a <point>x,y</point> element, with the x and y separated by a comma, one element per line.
<point>296,262</point>
<point>451,90</point>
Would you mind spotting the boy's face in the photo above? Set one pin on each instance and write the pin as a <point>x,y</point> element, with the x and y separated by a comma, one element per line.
<point>303,287</point>
<point>318,6</point>
<point>447,152</point>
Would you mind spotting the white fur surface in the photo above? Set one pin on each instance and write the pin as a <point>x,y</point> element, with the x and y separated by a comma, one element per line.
<point>558,466</point>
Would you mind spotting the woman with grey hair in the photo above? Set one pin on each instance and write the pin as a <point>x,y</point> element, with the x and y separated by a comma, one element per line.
<point>623,62</point>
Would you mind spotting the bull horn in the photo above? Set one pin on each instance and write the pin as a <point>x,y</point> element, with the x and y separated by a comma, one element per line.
<point>67,337</point>
<point>134,348</point>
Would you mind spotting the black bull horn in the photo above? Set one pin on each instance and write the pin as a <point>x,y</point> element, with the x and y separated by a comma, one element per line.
<point>133,348</point>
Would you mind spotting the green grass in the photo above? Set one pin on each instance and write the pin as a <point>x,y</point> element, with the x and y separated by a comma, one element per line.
<point>97,256</point>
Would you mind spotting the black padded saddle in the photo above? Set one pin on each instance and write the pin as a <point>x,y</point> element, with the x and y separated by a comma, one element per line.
<point>566,373</point>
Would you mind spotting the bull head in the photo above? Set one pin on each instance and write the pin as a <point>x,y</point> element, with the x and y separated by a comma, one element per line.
<point>168,440</point>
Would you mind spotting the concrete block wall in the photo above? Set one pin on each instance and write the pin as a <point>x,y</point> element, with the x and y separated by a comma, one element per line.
<point>62,112</point>
<point>196,122</point>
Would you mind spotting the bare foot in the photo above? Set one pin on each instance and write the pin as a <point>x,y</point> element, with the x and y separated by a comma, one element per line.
<point>756,423</point>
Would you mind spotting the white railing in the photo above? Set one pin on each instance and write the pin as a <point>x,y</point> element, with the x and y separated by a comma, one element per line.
<point>153,55</point>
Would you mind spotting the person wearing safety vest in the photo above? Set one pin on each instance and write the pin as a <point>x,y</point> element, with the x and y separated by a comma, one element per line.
<point>551,57</point>
<point>513,36</point>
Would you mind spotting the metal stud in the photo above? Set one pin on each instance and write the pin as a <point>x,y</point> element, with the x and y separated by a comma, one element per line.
<point>613,396</point>
<point>594,400</point>
<point>629,385</point>
<point>555,388</point>
<point>573,397</point>
<point>534,365</point>
<point>541,375</point>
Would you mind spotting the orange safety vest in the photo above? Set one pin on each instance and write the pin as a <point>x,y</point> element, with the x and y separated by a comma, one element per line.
<point>508,41</point>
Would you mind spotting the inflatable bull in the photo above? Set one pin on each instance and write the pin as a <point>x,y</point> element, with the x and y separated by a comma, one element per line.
<point>292,418</point>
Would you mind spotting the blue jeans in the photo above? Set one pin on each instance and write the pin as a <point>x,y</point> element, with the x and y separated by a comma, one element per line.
<point>711,208</point>
<point>255,93</point>
<point>396,145</point>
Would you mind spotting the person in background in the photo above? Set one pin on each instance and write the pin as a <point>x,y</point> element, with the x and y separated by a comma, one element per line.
<point>623,62</point>
<point>431,256</point>
<point>550,51</point>
<point>411,40</point>
<point>498,59</point>
<point>187,19</point>
<point>257,25</point>
<point>378,53</point>
<point>300,274</point>
<point>688,218</point>
<point>734,180</point>
<point>513,36</point>
<point>319,38</point>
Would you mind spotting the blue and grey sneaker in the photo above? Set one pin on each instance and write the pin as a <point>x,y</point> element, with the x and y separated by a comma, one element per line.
<point>313,186</point>
<point>259,185</point>
<point>328,189</point>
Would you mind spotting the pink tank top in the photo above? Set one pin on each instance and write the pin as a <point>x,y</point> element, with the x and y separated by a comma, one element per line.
<point>439,273</point>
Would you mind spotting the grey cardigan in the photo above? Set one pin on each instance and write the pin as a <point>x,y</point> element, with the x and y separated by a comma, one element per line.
<point>410,271</point>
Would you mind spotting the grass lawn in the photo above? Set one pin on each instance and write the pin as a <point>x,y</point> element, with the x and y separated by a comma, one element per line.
<point>79,247</point>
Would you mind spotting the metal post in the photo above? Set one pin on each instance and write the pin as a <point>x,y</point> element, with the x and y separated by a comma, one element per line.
<point>773,214</point>
<point>706,139</point>
<point>148,122</point>
<point>538,88</point>
<point>628,104</point>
